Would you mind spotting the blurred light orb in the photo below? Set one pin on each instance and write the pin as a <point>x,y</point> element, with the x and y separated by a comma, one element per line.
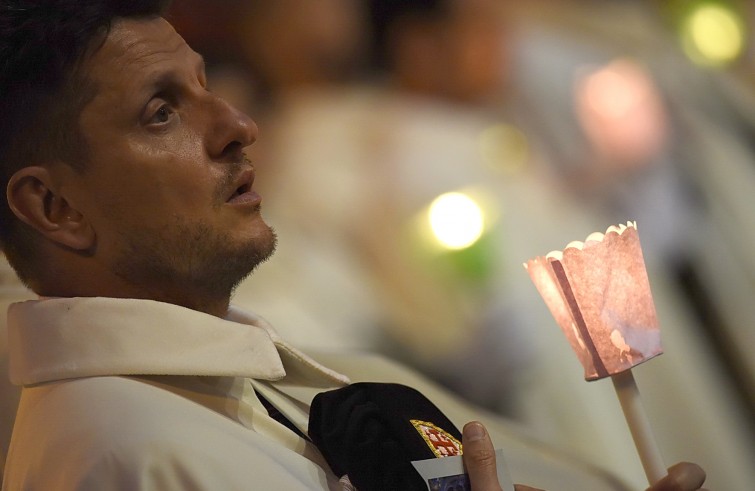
<point>713,34</point>
<point>457,221</point>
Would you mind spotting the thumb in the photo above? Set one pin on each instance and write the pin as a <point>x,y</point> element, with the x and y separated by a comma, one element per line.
<point>684,476</point>
<point>479,458</point>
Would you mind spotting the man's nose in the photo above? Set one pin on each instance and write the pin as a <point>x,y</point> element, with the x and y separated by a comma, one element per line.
<point>229,131</point>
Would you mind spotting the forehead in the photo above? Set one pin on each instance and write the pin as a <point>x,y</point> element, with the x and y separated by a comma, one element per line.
<point>135,48</point>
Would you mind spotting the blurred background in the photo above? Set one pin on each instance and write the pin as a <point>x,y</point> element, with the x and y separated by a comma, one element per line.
<point>414,153</point>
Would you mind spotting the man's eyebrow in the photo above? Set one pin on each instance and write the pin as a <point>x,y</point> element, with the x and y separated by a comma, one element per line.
<point>171,77</point>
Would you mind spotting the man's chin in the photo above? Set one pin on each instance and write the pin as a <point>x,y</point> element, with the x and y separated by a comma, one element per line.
<point>268,251</point>
<point>260,251</point>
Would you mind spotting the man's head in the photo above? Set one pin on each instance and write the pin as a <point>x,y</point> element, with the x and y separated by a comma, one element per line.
<point>125,176</point>
<point>452,49</point>
<point>296,43</point>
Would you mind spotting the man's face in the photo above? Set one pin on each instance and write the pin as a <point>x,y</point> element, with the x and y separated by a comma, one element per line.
<point>167,188</point>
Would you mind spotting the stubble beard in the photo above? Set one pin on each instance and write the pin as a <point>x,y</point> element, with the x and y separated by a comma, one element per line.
<point>190,264</point>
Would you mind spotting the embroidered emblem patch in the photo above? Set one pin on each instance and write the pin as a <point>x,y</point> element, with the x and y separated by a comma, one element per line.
<point>440,441</point>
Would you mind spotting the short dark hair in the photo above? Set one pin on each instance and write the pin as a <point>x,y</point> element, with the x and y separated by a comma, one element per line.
<point>42,93</point>
<point>386,15</point>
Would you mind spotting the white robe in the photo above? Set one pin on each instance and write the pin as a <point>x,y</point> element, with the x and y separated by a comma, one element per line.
<point>136,394</point>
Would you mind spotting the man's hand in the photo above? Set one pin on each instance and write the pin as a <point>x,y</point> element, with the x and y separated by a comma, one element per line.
<point>479,460</point>
<point>683,476</point>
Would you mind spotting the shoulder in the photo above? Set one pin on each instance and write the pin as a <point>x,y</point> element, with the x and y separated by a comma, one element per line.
<point>99,410</point>
<point>370,367</point>
<point>122,433</point>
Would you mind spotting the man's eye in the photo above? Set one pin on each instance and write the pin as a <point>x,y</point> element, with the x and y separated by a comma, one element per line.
<point>162,115</point>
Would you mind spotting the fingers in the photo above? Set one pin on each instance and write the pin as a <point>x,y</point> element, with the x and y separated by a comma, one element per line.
<point>683,476</point>
<point>479,458</point>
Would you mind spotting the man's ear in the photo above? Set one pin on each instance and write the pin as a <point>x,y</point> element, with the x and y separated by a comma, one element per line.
<point>34,199</point>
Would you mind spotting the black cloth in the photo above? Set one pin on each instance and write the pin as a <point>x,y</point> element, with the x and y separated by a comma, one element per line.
<point>365,430</point>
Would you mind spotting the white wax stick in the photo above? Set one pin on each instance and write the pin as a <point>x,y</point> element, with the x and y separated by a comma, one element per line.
<point>639,426</point>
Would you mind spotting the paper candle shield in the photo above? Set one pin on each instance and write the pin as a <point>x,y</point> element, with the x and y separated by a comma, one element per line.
<point>599,293</point>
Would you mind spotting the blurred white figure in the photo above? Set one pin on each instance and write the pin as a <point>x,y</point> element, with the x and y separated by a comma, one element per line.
<point>366,163</point>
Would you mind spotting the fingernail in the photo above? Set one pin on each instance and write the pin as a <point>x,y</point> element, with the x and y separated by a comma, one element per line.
<point>474,432</point>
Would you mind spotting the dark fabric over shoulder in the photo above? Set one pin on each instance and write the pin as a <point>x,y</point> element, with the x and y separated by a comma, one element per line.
<point>365,430</point>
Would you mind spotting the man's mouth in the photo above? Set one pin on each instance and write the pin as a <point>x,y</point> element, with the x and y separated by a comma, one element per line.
<point>243,192</point>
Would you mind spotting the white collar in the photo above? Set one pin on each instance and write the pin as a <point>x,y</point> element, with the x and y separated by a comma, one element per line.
<point>63,338</point>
